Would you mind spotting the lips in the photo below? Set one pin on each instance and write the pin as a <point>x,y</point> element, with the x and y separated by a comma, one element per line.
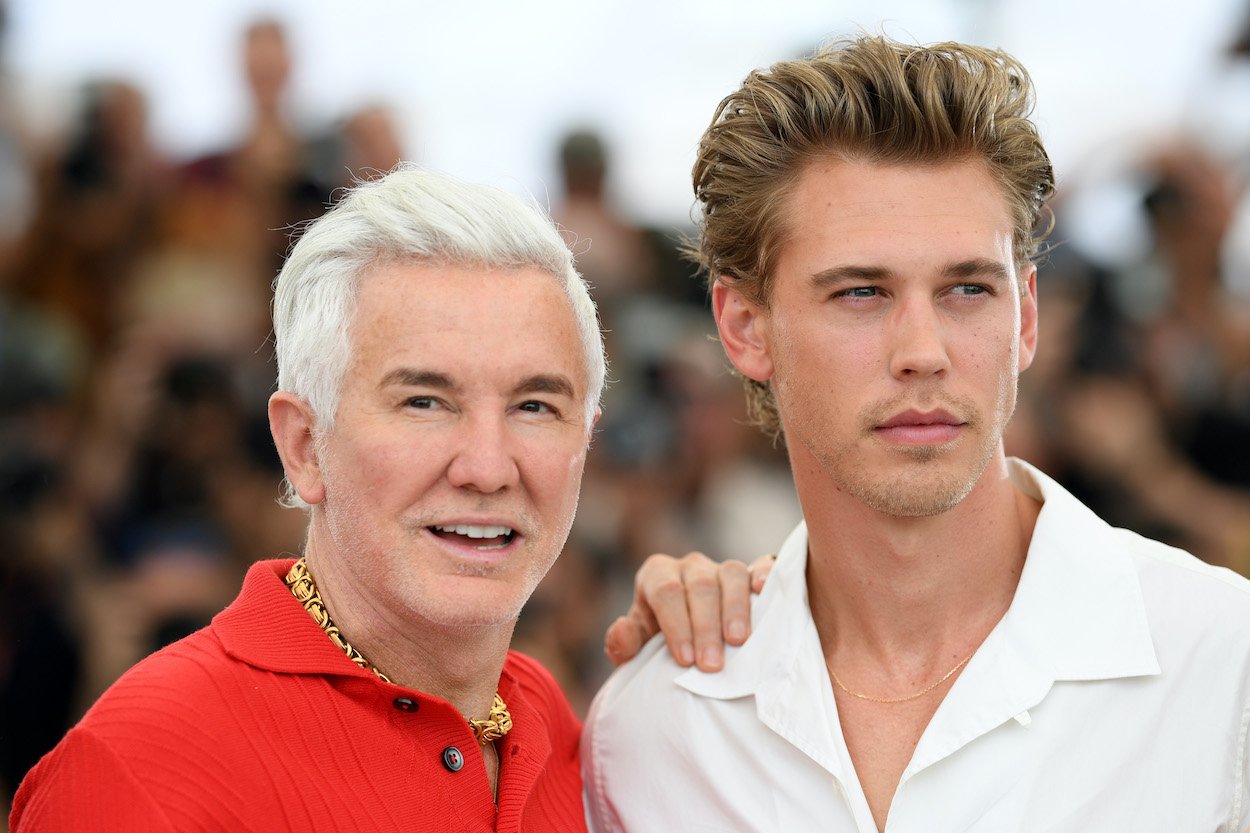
<point>921,418</point>
<point>914,427</point>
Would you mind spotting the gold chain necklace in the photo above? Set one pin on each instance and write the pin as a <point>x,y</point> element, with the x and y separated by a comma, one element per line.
<point>904,699</point>
<point>304,589</point>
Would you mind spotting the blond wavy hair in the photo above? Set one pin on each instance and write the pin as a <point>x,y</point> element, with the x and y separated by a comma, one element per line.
<point>870,98</point>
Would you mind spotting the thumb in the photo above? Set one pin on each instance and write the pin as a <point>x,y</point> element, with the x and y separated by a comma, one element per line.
<point>623,640</point>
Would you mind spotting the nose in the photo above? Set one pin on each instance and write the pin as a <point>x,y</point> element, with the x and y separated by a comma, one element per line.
<point>483,459</point>
<point>919,347</point>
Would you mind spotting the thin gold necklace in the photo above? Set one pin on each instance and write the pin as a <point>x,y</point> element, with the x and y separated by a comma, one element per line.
<point>904,699</point>
<point>300,580</point>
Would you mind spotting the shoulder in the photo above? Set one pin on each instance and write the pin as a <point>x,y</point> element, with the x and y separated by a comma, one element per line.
<point>165,722</point>
<point>640,708</point>
<point>1199,618</point>
<point>184,684</point>
<point>1184,598</point>
<point>1178,584</point>
<point>192,707</point>
<point>84,784</point>
<point>1197,611</point>
<point>647,681</point>
<point>653,700</point>
<point>667,747</point>
<point>166,683</point>
<point>1155,557</point>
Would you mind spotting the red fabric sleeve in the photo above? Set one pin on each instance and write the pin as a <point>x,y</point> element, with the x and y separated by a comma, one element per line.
<point>111,799</point>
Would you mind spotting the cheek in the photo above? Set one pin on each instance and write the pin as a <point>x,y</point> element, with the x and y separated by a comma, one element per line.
<point>574,466</point>
<point>556,477</point>
<point>378,468</point>
<point>989,347</point>
<point>824,365</point>
<point>995,363</point>
<point>829,348</point>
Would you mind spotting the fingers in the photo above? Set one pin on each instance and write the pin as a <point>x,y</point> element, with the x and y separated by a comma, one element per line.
<point>701,576</point>
<point>666,599</point>
<point>699,606</point>
<point>759,571</point>
<point>683,597</point>
<point>735,601</point>
<point>659,605</point>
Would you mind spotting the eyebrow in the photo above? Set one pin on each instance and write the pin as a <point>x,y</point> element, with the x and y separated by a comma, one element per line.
<point>974,268</point>
<point>837,275</point>
<point>411,377</point>
<point>546,383</point>
<point>978,268</point>
<point>553,383</point>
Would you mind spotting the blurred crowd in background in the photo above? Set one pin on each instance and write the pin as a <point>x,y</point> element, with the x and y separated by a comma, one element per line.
<point>137,474</point>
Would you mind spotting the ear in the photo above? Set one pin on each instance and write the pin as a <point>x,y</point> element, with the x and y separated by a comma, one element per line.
<point>291,422</point>
<point>594,420</point>
<point>1028,318</point>
<point>743,327</point>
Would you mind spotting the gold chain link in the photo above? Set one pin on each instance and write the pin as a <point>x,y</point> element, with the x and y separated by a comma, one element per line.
<point>304,589</point>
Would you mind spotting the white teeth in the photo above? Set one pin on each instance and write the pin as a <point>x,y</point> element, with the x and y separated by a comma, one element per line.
<point>476,531</point>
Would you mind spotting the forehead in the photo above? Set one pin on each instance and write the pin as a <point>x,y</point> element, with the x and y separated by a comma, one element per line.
<point>477,324</point>
<point>900,217</point>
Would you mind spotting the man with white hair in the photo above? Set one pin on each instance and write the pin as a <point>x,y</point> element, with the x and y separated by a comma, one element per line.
<point>439,371</point>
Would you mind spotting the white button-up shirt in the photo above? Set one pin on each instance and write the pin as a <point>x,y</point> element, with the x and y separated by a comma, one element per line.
<point>1114,695</point>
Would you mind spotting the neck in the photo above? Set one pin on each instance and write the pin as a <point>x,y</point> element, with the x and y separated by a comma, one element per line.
<point>910,593</point>
<point>460,664</point>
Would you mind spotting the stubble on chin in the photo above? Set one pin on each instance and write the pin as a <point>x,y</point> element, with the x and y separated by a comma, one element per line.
<point>931,481</point>
<point>915,494</point>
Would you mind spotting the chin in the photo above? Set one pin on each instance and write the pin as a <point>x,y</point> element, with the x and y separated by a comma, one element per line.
<point>928,484</point>
<point>472,606</point>
<point>469,618</point>
<point>912,502</point>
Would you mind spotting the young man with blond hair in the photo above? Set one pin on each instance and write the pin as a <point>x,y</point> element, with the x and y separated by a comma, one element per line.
<point>950,641</point>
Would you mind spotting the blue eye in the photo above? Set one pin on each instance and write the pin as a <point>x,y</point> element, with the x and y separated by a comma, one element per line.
<point>859,292</point>
<point>970,289</point>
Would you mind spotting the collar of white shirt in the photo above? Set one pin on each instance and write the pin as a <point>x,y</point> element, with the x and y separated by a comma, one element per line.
<point>1078,614</point>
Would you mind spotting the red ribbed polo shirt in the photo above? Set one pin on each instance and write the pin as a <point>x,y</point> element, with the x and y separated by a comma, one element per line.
<point>259,723</point>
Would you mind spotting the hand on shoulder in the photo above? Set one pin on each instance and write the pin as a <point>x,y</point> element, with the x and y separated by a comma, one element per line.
<point>698,604</point>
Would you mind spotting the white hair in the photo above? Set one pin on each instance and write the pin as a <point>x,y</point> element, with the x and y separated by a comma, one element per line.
<point>409,214</point>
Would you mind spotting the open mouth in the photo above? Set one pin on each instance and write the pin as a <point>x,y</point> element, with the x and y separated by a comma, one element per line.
<point>477,537</point>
